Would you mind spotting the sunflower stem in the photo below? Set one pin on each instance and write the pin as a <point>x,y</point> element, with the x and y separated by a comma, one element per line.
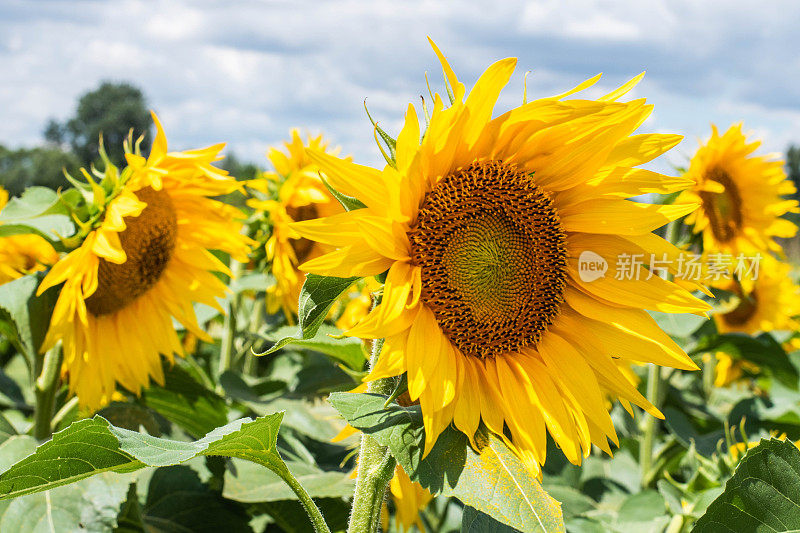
<point>229,325</point>
<point>650,425</point>
<point>256,321</point>
<point>47,369</point>
<point>317,520</point>
<point>654,394</point>
<point>375,466</point>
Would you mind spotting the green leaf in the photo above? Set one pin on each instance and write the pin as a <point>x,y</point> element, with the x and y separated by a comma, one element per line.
<point>6,429</point>
<point>762,495</point>
<point>131,416</point>
<point>474,521</point>
<point>317,296</point>
<point>248,483</point>
<point>284,514</point>
<point>257,282</point>
<point>494,482</point>
<point>762,350</point>
<point>645,512</point>
<point>678,324</point>
<point>315,420</point>
<point>92,446</point>
<point>90,505</point>
<point>349,350</point>
<point>178,501</point>
<point>38,210</point>
<point>24,317</point>
<point>129,519</point>
<point>187,403</point>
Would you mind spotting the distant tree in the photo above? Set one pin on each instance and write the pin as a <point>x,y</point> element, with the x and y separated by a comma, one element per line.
<point>113,109</point>
<point>793,165</point>
<point>241,170</point>
<point>35,166</point>
<point>54,133</point>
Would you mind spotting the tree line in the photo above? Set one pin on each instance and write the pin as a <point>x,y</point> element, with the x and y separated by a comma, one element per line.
<point>110,110</point>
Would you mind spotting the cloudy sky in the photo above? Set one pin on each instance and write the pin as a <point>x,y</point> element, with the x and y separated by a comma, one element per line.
<point>247,71</point>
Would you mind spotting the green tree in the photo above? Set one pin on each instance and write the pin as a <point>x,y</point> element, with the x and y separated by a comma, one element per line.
<point>35,166</point>
<point>241,170</point>
<point>113,109</point>
<point>54,133</point>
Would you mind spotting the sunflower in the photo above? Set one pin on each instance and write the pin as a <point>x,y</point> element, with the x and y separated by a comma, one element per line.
<point>144,260</point>
<point>741,195</point>
<point>301,196</point>
<point>479,226</point>
<point>771,304</point>
<point>22,254</point>
<point>728,370</point>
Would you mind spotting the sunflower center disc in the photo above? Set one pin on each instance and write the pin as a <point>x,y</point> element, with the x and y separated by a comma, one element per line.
<point>724,209</point>
<point>493,257</point>
<point>748,305</point>
<point>148,241</point>
<point>302,247</point>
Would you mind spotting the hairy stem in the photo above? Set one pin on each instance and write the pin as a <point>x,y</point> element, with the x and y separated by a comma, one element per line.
<point>375,467</point>
<point>311,508</point>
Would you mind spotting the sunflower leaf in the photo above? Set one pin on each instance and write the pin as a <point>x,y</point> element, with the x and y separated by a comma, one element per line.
<point>25,317</point>
<point>317,296</point>
<point>89,505</point>
<point>494,482</point>
<point>349,350</point>
<point>177,500</point>
<point>92,446</point>
<point>473,521</point>
<point>762,350</point>
<point>186,403</point>
<point>247,483</point>
<point>762,495</point>
<point>39,210</point>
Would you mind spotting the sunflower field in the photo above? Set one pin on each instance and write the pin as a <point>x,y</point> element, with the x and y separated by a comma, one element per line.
<point>511,325</point>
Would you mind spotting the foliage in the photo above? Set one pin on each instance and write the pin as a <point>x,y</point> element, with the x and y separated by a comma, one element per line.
<point>110,111</point>
<point>763,494</point>
<point>40,166</point>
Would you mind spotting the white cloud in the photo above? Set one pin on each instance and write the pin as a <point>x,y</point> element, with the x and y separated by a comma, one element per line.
<point>248,71</point>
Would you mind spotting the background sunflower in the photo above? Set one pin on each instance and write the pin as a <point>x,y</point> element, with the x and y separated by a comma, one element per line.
<point>298,194</point>
<point>743,197</point>
<point>22,254</point>
<point>143,261</point>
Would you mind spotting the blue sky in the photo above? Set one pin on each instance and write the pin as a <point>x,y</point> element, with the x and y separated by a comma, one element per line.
<point>245,72</point>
